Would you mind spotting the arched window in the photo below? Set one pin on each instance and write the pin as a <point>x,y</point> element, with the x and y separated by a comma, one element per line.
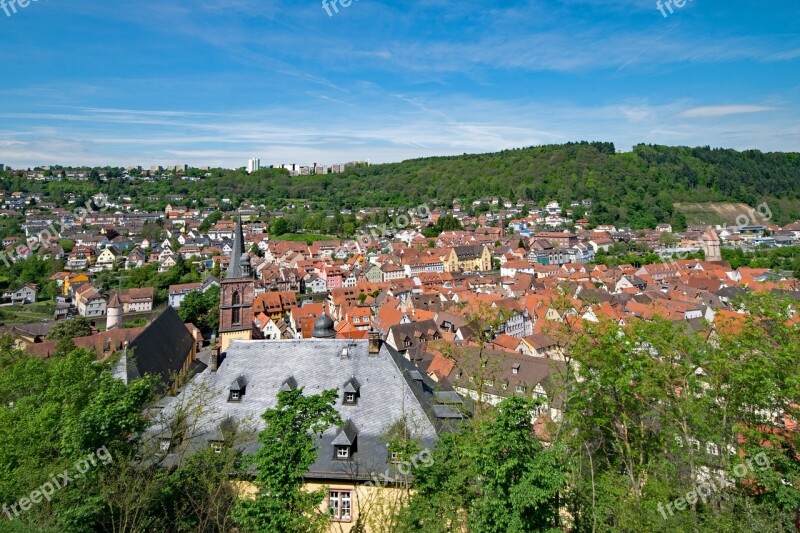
<point>236,317</point>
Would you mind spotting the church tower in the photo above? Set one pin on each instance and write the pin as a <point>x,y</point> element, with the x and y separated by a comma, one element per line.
<point>237,292</point>
<point>711,246</point>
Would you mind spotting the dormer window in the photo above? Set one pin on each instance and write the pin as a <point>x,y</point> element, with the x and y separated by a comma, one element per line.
<point>289,385</point>
<point>521,388</point>
<point>237,390</point>
<point>216,445</point>
<point>165,445</point>
<point>352,391</point>
<point>344,443</point>
<point>515,369</point>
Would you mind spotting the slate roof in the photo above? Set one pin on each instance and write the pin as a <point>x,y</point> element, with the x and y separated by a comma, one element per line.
<point>346,436</point>
<point>387,393</point>
<point>352,386</point>
<point>732,292</point>
<point>235,269</point>
<point>514,370</point>
<point>465,253</point>
<point>414,331</point>
<point>35,329</point>
<point>161,349</point>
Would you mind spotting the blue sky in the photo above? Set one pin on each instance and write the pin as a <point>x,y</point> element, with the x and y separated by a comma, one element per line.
<point>217,82</point>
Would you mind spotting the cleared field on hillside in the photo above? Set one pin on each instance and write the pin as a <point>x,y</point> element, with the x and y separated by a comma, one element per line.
<point>716,213</point>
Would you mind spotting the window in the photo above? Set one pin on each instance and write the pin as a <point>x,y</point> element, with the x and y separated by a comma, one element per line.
<point>216,446</point>
<point>350,397</point>
<point>234,396</point>
<point>490,383</point>
<point>340,504</point>
<point>407,343</point>
<point>342,452</point>
<point>695,444</point>
<point>712,449</point>
<point>515,369</point>
<point>396,457</point>
<point>521,388</point>
<point>165,445</point>
<point>236,314</point>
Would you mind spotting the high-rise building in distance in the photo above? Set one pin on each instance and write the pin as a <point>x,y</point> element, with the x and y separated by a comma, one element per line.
<point>253,165</point>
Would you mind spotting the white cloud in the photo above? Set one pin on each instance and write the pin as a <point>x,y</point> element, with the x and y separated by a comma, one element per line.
<point>387,129</point>
<point>723,110</point>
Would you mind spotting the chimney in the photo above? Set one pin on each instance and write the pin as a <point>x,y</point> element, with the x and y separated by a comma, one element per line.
<point>215,358</point>
<point>375,342</point>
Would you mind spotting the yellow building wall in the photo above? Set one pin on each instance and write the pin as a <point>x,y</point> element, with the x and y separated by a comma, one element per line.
<point>375,504</point>
<point>228,337</point>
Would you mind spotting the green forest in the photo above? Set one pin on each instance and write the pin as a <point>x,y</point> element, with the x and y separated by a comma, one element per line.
<point>637,188</point>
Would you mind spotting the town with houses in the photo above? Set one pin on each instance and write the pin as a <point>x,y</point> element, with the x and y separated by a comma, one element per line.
<point>392,279</point>
<point>389,305</point>
<point>364,267</point>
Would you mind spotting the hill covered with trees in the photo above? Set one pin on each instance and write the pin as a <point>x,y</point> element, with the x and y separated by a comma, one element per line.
<point>637,188</point>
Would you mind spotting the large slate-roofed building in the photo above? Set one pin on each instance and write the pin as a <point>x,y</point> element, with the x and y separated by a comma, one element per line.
<point>376,391</point>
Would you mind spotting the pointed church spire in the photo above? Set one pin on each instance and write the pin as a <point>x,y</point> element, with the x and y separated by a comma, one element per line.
<point>236,267</point>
